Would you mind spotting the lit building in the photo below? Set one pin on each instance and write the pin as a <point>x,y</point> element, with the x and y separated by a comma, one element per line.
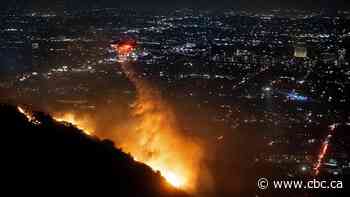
<point>300,52</point>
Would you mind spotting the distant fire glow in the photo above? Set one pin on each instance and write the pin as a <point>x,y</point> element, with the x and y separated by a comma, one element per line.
<point>30,117</point>
<point>124,50</point>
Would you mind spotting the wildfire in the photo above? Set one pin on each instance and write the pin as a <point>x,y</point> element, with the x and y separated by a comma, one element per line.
<point>174,179</point>
<point>125,49</point>
<point>80,122</point>
<point>30,117</point>
<point>153,137</point>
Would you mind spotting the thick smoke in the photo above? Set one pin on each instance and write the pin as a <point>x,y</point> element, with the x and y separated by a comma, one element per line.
<point>152,136</point>
<point>149,132</point>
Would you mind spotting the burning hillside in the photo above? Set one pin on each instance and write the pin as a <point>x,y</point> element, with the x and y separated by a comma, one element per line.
<point>43,153</point>
<point>155,139</point>
<point>83,123</point>
<point>151,135</point>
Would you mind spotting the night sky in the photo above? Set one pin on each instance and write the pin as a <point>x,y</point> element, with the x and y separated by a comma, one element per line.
<point>161,4</point>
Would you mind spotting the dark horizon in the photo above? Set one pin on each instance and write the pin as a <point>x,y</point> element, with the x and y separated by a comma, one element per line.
<point>254,5</point>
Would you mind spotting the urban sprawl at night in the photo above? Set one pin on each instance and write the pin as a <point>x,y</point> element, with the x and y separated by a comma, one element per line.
<point>246,93</point>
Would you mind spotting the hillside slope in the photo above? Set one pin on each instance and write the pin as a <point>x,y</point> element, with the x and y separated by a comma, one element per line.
<point>57,157</point>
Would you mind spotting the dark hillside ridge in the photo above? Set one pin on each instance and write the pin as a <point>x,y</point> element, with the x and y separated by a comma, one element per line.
<point>55,157</point>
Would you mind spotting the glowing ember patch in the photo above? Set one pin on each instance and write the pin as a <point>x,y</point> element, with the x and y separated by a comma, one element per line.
<point>80,123</point>
<point>21,110</point>
<point>28,115</point>
<point>123,49</point>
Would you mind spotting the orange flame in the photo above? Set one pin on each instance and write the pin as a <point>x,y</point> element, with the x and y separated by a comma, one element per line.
<point>151,136</point>
<point>81,123</point>
<point>124,48</point>
<point>155,139</point>
<point>30,117</point>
